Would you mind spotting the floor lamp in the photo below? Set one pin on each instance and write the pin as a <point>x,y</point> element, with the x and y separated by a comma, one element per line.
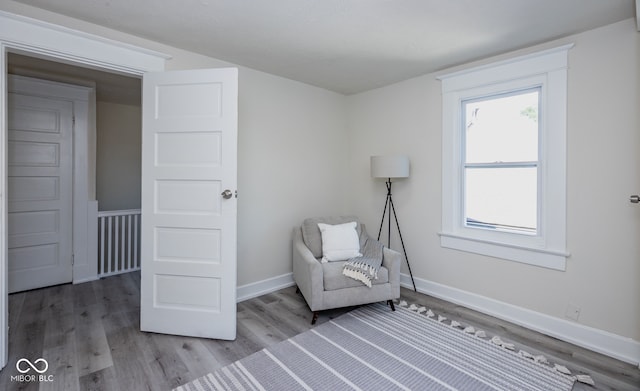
<point>391,167</point>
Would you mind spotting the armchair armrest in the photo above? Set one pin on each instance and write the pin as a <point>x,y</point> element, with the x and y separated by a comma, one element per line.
<point>392,259</point>
<point>307,272</point>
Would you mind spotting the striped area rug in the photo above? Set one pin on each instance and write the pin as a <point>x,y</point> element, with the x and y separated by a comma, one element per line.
<point>373,348</point>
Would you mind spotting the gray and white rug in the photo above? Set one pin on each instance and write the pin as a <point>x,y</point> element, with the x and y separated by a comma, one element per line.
<point>373,348</point>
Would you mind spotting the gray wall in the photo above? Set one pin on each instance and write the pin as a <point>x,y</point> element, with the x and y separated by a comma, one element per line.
<point>118,153</point>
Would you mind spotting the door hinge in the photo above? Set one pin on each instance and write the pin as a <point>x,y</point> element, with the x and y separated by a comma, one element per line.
<point>73,120</point>
<point>73,259</point>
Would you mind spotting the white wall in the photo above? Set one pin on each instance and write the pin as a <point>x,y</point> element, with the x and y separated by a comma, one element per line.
<point>292,146</point>
<point>292,151</point>
<point>119,131</point>
<point>603,273</point>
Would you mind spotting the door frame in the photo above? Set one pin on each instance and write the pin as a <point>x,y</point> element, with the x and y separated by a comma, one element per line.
<point>32,37</point>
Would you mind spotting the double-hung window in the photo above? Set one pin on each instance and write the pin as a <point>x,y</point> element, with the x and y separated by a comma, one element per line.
<point>500,161</point>
<point>504,159</point>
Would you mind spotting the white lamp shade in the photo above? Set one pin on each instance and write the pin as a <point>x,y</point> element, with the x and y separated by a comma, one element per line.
<point>390,166</point>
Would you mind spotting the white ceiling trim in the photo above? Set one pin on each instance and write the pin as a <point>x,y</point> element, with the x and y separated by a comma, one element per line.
<point>51,40</point>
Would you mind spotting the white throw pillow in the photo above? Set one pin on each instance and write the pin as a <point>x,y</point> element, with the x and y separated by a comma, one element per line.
<point>339,242</point>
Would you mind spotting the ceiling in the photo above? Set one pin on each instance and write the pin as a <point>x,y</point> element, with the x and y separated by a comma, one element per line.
<point>347,46</point>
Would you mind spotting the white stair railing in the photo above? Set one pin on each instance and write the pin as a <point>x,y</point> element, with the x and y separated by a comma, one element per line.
<point>118,242</point>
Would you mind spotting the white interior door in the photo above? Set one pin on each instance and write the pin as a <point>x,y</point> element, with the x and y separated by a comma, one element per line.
<point>40,159</point>
<point>189,147</point>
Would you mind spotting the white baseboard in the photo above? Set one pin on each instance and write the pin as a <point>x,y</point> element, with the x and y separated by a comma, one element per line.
<point>86,279</point>
<point>259,288</point>
<point>604,342</point>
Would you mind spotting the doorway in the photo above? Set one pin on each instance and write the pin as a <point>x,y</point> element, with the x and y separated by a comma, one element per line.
<point>113,160</point>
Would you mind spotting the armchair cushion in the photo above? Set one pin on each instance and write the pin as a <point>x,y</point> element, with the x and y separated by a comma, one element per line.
<point>311,233</point>
<point>334,279</point>
<point>339,242</point>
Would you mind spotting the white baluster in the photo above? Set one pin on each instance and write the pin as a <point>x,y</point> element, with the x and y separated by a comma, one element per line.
<point>136,263</point>
<point>102,263</point>
<point>109,235</point>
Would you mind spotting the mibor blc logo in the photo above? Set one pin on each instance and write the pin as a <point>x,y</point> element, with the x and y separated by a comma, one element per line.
<point>32,371</point>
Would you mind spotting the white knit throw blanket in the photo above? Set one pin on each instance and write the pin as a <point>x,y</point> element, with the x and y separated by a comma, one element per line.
<point>365,268</point>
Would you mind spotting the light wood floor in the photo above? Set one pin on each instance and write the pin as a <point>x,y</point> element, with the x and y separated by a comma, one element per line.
<point>89,335</point>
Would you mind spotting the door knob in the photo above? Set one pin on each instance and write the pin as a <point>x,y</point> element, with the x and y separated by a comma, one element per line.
<point>226,194</point>
<point>634,199</point>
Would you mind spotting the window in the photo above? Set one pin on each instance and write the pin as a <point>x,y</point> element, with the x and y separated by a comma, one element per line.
<point>504,159</point>
<point>500,161</point>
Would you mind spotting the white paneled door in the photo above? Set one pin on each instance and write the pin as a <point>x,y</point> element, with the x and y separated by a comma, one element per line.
<point>189,147</point>
<point>40,159</point>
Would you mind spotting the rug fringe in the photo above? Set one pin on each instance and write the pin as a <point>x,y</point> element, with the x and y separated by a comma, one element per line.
<point>497,341</point>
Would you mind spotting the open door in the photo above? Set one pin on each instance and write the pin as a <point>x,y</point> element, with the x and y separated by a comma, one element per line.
<point>189,165</point>
<point>40,204</point>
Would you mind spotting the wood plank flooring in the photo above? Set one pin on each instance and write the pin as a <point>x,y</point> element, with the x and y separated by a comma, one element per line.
<point>89,334</point>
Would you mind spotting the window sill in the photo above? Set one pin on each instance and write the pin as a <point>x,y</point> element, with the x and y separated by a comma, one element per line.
<point>550,259</point>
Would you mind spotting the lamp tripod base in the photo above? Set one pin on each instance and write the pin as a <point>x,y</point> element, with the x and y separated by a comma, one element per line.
<point>388,205</point>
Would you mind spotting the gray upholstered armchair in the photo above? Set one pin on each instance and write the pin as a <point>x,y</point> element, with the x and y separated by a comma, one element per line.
<point>324,286</point>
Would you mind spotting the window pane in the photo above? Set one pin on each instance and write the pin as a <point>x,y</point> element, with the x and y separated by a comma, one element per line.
<point>502,128</point>
<point>502,198</point>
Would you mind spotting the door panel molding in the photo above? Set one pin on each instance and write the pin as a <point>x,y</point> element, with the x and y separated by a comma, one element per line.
<point>40,183</point>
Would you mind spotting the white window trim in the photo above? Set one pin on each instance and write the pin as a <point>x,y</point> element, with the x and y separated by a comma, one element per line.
<point>547,69</point>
